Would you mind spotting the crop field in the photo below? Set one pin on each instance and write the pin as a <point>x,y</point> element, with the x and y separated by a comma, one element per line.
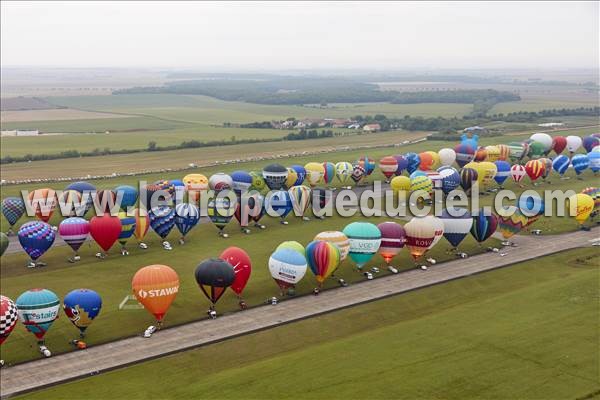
<point>525,331</point>
<point>53,115</point>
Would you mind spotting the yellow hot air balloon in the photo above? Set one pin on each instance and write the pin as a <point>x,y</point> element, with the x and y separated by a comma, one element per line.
<point>493,153</point>
<point>291,178</point>
<point>581,206</point>
<point>400,184</point>
<point>314,173</point>
<point>436,159</point>
<point>195,183</point>
<point>421,182</point>
<point>490,170</point>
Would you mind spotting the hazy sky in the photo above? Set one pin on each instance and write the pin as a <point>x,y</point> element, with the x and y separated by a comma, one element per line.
<point>301,35</point>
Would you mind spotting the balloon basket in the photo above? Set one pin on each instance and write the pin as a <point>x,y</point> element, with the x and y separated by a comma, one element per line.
<point>342,282</point>
<point>10,232</point>
<point>1,363</point>
<point>101,256</point>
<point>246,231</point>
<point>316,291</point>
<point>143,246</point>
<point>124,252</point>
<point>283,222</point>
<point>257,225</point>
<point>242,305</point>
<point>392,269</point>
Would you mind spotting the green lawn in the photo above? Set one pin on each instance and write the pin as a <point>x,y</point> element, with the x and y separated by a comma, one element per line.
<point>529,331</point>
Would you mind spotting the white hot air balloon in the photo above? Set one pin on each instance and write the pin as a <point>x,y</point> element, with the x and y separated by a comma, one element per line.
<point>544,139</point>
<point>447,157</point>
<point>287,267</point>
<point>573,143</point>
<point>439,229</point>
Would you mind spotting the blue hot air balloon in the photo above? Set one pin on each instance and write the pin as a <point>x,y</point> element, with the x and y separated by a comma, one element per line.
<point>450,179</point>
<point>280,202</point>
<point>87,191</point>
<point>402,164</point>
<point>178,188</point>
<point>416,173</point>
<point>531,204</point>
<point>413,162</point>
<point>82,306</point>
<point>186,217</point>
<point>128,196</point>
<point>589,142</point>
<point>456,228</point>
<point>13,209</point>
<point>503,171</point>
<point>162,220</point>
<point>580,163</point>
<point>365,239</point>
<point>594,157</point>
<point>128,223</point>
<point>560,164</point>
<point>484,226</point>
<point>37,309</point>
<point>36,237</point>
<point>301,172</point>
<point>242,181</point>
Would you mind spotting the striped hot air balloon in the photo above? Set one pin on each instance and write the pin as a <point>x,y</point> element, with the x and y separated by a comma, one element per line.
<point>504,152</point>
<point>517,173</point>
<point>464,154</point>
<point>484,226</point>
<point>142,223</point>
<point>162,220</point>
<point>328,172</point>
<point>456,226</point>
<point>388,166</point>
<point>468,176</point>
<point>337,238</point>
<point>300,196</point>
<point>393,238</point>
<point>421,183</point>
<point>534,169</point>
<point>560,164</point>
<point>74,231</point>
<point>503,171</point>
<point>343,171</point>
<point>580,163</point>
<point>322,258</point>
<point>187,217</point>
<point>127,227</point>
<point>37,310</point>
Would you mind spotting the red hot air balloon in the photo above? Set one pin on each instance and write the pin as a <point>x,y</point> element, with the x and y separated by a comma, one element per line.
<point>480,154</point>
<point>105,230</point>
<point>242,266</point>
<point>559,143</point>
<point>388,166</point>
<point>393,238</point>
<point>534,169</point>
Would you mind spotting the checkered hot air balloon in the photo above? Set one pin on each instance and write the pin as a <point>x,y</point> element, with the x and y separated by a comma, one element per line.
<point>8,317</point>
<point>13,209</point>
<point>36,237</point>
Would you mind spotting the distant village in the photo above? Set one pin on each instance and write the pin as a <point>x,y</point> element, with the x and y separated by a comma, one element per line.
<point>310,123</point>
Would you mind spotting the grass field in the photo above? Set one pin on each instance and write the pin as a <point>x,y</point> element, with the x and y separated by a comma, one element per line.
<point>528,331</point>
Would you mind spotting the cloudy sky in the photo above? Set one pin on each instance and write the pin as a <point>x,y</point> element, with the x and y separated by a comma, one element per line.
<point>301,35</point>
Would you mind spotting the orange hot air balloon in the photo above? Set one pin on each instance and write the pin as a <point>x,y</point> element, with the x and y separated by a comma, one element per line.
<point>480,154</point>
<point>43,201</point>
<point>155,287</point>
<point>426,161</point>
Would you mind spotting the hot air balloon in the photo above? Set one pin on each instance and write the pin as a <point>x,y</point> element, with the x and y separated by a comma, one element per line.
<point>438,224</point>
<point>594,157</point>
<point>402,164</point>
<point>37,310</point>
<point>242,267</point>
<point>187,216</point>
<point>450,179</point>
<point>510,225</point>
<point>447,157</point>
<point>336,238</point>
<point>517,172</point>
<point>426,161</point>
<point>493,153</point>
<point>547,167</point>
<point>220,181</point>
<point>13,209</point>
<point>3,243</point>
<point>74,231</point>
<point>275,176</point>
<point>300,197</point>
<point>421,183</point>
<point>220,211</point>
<point>420,233</point>
<point>43,202</point>
<point>367,163</point>
<point>413,162</point>
<point>155,287</point>
<point>480,154</point>
<point>573,143</point>
<point>82,306</point>
<point>392,241</point>
<point>8,317</point>
<point>468,176</point>
<point>358,172</point>
<point>503,168</point>
<point>292,245</point>
<point>105,230</point>
<point>258,182</point>
<point>534,169</point>
<point>195,183</point>
<point>594,193</point>
<point>343,170</point>
<point>456,226</point>
<point>162,221</point>
<point>483,227</point>
<point>87,191</point>
<point>155,196</point>
<point>464,154</point>
<point>127,195</point>
<point>314,173</point>
<point>127,229</point>
<point>388,166</point>
<point>504,152</point>
<point>589,142</point>
<point>280,203</point>
<point>291,179</point>
<point>256,216</point>
<point>544,139</point>
<point>301,174</point>
<point>559,143</point>
<point>321,198</point>
<point>560,164</point>
<point>580,207</point>
<point>214,276</point>
<point>328,172</point>
<point>400,185</point>
<point>536,150</point>
<point>365,239</point>
<point>287,268</point>
<point>323,258</point>
<point>517,151</point>
<point>106,200</point>
<point>580,163</point>
<point>167,186</point>
<point>249,206</point>
<point>142,223</point>
<point>242,181</point>
<point>36,237</point>
<point>70,203</point>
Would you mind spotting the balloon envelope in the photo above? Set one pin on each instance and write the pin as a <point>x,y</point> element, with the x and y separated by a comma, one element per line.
<point>74,231</point>
<point>9,317</point>
<point>323,258</point>
<point>287,267</point>
<point>36,237</point>
<point>37,310</point>
<point>155,287</point>
<point>187,216</point>
<point>483,226</point>
<point>365,239</point>
<point>214,276</point>
<point>82,306</point>
<point>105,230</point>
<point>392,239</point>
<point>13,209</point>
<point>456,227</point>
<point>242,267</point>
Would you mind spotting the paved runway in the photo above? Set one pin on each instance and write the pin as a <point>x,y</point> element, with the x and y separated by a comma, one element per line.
<point>45,372</point>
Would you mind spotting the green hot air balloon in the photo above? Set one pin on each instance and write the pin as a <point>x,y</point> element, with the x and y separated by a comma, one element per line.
<point>536,150</point>
<point>3,243</point>
<point>364,239</point>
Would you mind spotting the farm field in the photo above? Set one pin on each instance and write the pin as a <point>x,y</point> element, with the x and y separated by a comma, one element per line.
<point>525,331</point>
<point>59,114</point>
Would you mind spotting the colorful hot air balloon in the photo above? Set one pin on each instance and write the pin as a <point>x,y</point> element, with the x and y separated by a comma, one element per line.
<point>292,245</point>
<point>367,163</point>
<point>421,183</point>
<point>365,239</point>
<point>413,162</point>
<point>503,168</point>
<point>468,176</point>
<point>162,220</point>
<point>534,169</point>
<point>544,139</point>
<point>392,240</point>
<point>343,170</point>
<point>13,209</point>
<point>517,151</point>
<point>400,184</point>
<point>220,181</point>
<point>127,229</point>
<point>580,163</point>
<point>242,181</point>
<point>301,174</point>
<point>291,179</point>
<point>594,157</point>
<point>388,166</point>
<point>547,167</point>
<point>8,317</point>
<point>275,176</point>
<point>323,258</point>
<point>336,238</point>
<point>3,243</point>
<point>242,267</point>
<point>142,223</point>
<point>155,287</point>
<point>280,203</point>
<point>450,179</point>
<point>358,172</point>
<point>493,153</point>
<point>258,182</point>
<point>314,173</point>
<point>187,216</point>
<point>43,202</point>
<point>480,154</point>
<point>287,267</point>
<point>36,237</point>
<point>581,206</point>
<point>484,226</point>
<point>517,173</point>
<point>456,226</point>
<point>105,230</point>
<point>504,152</point>
<point>510,225</point>
<point>594,193</point>
<point>559,143</point>
<point>74,231</point>
<point>447,157</point>
<point>220,212</point>
<point>126,195</point>
<point>300,196</point>
<point>420,233</point>
<point>426,163</point>
<point>589,142</point>
<point>82,306</point>
<point>194,184</point>
<point>37,310</point>
<point>560,164</point>
<point>214,276</point>
<point>328,172</point>
<point>464,154</point>
<point>573,143</point>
